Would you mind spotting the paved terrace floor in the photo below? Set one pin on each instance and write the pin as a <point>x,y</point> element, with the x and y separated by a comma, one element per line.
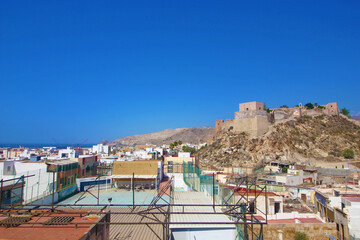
<point>119,196</point>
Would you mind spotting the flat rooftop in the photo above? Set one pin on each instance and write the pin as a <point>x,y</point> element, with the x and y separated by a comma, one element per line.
<point>40,231</point>
<point>119,196</point>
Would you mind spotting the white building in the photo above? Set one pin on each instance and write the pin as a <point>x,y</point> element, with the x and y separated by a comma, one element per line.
<point>142,154</point>
<point>351,206</point>
<point>36,186</point>
<point>297,177</point>
<point>160,151</point>
<point>101,148</point>
<point>68,153</point>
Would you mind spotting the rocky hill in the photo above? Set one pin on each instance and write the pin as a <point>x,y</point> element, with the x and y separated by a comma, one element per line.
<point>321,138</point>
<point>187,135</point>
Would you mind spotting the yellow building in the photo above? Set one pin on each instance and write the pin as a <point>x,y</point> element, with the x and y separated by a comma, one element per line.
<point>144,173</point>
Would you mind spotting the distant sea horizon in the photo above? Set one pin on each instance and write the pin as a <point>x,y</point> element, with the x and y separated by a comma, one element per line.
<point>41,145</point>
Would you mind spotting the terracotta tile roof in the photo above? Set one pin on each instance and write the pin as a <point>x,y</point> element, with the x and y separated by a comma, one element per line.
<point>281,221</point>
<point>309,220</point>
<point>44,232</point>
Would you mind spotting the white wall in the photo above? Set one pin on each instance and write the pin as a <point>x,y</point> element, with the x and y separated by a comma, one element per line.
<point>354,219</point>
<point>36,186</point>
<point>184,154</point>
<point>289,180</point>
<point>179,184</point>
<point>100,148</point>
<point>142,154</point>
<point>203,234</point>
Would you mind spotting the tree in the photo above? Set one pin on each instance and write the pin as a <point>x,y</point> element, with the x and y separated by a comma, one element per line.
<point>285,169</point>
<point>345,111</point>
<point>189,149</point>
<point>309,106</point>
<point>284,106</point>
<point>348,153</point>
<point>180,142</point>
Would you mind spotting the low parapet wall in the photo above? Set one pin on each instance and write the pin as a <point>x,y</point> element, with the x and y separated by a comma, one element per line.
<point>283,231</point>
<point>333,171</point>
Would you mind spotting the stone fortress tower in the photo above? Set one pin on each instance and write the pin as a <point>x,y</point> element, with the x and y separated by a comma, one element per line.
<point>253,120</point>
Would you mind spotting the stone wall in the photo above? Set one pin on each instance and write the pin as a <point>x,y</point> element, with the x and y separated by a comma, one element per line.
<point>286,231</point>
<point>249,114</point>
<point>218,125</point>
<point>254,127</point>
<point>251,106</point>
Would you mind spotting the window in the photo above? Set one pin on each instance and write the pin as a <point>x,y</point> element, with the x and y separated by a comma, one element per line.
<point>247,109</point>
<point>8,168</point>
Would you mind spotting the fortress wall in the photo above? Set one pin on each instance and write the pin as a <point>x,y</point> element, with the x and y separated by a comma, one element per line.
<point>249,114</point>
<point>262,125</point>
<point>255,126</point>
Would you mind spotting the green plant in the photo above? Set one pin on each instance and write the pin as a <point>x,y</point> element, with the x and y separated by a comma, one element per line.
<point>285,169</point>
<point>284,106</point>
<point>348,153</point>
<point>346,112</point>
<point>309,106</point>
<point>189,149</point>
<point>175,144</point>
<point>267,109</point>
<point>300,236</point>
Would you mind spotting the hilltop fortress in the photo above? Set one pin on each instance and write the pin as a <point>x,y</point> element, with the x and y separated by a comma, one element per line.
<point>255,121</point>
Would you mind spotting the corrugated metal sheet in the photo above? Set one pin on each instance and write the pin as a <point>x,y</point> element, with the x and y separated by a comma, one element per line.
<point>133,231</point>
<point>198,198</point>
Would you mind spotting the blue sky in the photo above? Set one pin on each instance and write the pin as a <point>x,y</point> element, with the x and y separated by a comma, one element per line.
<point>76,70</point>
